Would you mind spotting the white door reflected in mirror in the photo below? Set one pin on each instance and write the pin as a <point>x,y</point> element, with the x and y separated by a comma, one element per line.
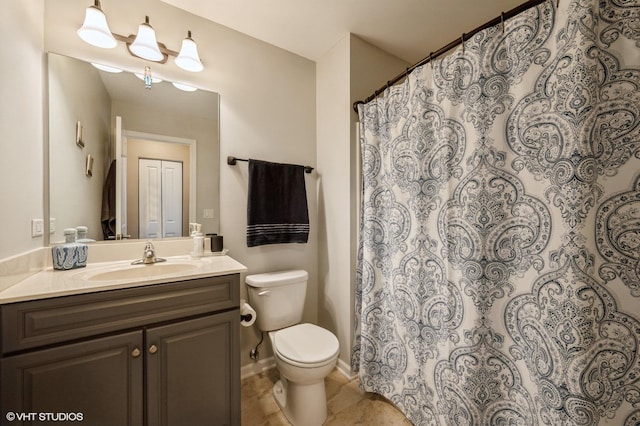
<point>159,198</point>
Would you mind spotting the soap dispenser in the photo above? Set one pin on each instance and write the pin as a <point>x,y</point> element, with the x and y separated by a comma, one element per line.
<point>198,241</point>
<point>82,235</point>
<point>71,254</point>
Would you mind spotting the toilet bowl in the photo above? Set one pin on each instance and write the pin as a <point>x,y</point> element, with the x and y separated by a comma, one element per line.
<point>304,353</point>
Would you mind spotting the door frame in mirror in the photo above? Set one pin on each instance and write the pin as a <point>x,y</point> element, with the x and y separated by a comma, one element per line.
<point>121,151</point>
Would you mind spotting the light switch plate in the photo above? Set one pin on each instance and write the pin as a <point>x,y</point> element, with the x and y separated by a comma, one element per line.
<point>207,213</point>
<point>37,227</point>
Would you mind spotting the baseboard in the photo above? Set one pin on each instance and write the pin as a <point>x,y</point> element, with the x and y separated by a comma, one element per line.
<point>257,367</point>
<point>345,370</point>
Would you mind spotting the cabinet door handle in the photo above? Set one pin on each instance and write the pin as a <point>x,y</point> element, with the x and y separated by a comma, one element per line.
<point>153,349</point>
<point>135,353</point>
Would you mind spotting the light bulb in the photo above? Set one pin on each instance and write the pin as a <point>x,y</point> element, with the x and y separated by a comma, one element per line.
<point>188,58</point>
<point>145,45</point>
<point>95,29</point>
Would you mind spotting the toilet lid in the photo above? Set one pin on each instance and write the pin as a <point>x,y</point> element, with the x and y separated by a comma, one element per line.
<point>306,343</point>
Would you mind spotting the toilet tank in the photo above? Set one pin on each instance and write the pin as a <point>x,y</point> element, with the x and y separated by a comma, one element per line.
<point>278,298</point>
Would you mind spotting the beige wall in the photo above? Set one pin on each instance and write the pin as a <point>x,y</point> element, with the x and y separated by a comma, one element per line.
<point>21,115</point>
<point>77,94</point>
<point>334,163</point>
<point>350,71</point>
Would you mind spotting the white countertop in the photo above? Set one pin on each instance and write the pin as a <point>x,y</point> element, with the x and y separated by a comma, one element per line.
<point>54,283</point>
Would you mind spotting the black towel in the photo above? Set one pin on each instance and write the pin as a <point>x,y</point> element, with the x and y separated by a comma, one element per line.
<point>277,204</point>
<point>108,216</point>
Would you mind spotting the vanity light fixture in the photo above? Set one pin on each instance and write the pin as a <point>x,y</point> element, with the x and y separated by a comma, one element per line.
<point>145,45</point>
<point>95,29</point>
<point>96,32</point>
<point>188,58</point>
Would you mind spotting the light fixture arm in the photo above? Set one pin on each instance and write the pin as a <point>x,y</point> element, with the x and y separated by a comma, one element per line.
<point>128,40</point>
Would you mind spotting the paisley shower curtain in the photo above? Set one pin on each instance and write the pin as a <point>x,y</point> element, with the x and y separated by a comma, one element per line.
<point>499,264</point>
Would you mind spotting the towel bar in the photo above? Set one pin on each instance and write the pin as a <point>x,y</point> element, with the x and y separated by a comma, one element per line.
<point>233,160</point>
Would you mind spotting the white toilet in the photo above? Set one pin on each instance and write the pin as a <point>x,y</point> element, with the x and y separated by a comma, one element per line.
<point>305,353</point>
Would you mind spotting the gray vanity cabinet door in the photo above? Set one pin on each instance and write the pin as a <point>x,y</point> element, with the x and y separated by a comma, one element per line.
<point>193,371</point>
<point>99,379</point>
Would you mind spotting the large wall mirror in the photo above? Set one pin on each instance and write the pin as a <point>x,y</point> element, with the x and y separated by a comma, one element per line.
<point>126,159</point>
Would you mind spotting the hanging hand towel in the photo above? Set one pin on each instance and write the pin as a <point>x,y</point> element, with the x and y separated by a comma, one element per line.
<point>277,204</point>
<point>108,216</point>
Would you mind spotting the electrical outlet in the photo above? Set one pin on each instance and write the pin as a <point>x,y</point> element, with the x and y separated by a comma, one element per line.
<point>37,227</point>
<point>207,213</point>
<point>52,225</point>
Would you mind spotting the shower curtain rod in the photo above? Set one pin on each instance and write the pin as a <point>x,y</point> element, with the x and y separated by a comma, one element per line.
<point>465,36</point>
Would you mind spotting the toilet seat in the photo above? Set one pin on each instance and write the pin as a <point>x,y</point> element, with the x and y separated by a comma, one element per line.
<point>306,345</point>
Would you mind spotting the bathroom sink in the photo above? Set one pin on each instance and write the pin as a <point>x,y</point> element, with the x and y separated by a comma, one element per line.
<point>142,271</point>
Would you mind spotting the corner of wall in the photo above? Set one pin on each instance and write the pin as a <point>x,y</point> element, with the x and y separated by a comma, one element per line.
<point>350,71</point>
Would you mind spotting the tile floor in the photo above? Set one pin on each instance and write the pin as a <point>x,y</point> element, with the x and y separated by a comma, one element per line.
<point>346,403</point>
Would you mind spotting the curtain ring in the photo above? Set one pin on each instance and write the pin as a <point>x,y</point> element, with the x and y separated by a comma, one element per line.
<point>502,21</point>
<point>462,42</point>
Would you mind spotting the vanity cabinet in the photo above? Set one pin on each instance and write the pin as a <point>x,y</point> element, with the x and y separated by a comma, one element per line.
<point>100,380</point>
<point>163,354</point>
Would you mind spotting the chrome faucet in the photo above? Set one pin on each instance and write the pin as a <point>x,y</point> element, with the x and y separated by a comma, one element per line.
<point>148,256</point>
<point>149,253</point>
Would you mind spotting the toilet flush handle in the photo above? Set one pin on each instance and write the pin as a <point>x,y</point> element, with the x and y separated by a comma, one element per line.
<point>264,293</point>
